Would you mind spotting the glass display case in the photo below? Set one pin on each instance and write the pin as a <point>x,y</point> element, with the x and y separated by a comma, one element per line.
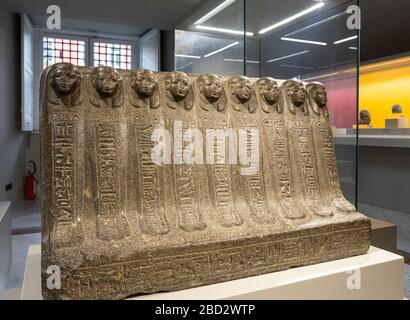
<point>312,41</point>
<point>384,143</point>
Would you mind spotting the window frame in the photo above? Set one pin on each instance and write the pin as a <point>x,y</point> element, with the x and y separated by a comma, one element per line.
<point>89,40</point>
<point>134,54</point>
<point>68,37</point>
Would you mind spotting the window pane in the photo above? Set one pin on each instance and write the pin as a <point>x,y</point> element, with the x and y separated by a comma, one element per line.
<point>112,55</point>
<point>63,50</point>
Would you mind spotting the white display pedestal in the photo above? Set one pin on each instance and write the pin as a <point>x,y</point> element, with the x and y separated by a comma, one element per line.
<point>375,275</point>
<point>5,243</point>
<point>32,276</point>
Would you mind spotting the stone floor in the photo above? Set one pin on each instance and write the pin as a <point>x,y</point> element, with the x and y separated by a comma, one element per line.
<point>26,217</point>
<point>26,231</point>
<point>26,224</point>
<point>20,244</point>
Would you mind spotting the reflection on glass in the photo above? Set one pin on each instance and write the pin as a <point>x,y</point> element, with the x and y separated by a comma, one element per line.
<point>202,53</point>
<point>294,39</point>
<point>212,41</point>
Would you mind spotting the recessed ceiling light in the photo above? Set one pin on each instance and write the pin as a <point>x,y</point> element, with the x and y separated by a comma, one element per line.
<point>296,67</point>
<point>288,56</point>
<point>345,40</point>
<point>223,30</point>
<point>294,17</point>
<point>185,65</point>
<point>316,24</point>
<point>222,49</point>
<point>354,61</point>
<point>322,76</point>
<point>187,56</point>
<point>352,48</point>
<point>304,41</point>
<point>343,62</point>
<point>214,11</point>
<point>241,60</point>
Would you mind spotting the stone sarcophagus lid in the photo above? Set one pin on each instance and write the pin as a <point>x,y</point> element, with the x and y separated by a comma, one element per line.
<point>163,181</point>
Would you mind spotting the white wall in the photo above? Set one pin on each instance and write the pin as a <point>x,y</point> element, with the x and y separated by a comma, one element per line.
<point>12,140</point>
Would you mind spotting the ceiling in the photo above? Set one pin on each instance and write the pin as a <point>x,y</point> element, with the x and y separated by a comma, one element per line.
<point>326,25</point>
<point>259,13</point>
<point>161,14</point>
<point>384,33</point>
<point>40,21</point>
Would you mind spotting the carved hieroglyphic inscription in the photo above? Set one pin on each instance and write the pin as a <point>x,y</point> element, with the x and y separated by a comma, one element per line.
<point>304,150</point>
<point>253,184</point>
<point>219,176</point>
<point>111,222</point>
<point>186,198</point>
<point>255,188</point>
<point>222,194</point>
<point>66,229</point>
<point>212,266</point>
<point>328,152</point>
<point>186,182</point>
<point>275,135</point>
<point>151,196</point>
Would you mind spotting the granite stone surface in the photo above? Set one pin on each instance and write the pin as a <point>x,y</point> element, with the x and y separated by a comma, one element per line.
<point>121,218</point>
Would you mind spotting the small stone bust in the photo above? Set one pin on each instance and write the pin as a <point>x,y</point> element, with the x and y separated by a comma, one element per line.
<point>241,92</point>
<point>106,87</point>
<point>318,98</point>
<point>211,92</point>
<point>295,93</point>
<point>65,82</point>
<point>178,90</point>
<point>269,93</point>
<point>144,89</point>
<point>396,109</point>
<point>364,117</point>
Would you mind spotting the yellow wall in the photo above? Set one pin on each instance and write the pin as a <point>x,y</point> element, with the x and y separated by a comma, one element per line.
<point>381,89</point>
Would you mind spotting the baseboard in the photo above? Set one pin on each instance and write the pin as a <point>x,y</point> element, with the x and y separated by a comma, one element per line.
<point>16,194</point>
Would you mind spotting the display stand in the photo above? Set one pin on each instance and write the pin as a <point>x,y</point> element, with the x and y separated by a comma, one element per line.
<point>384,235</point>
<point>400,123</point>
<point>375,275</point>
<point>5,243</point>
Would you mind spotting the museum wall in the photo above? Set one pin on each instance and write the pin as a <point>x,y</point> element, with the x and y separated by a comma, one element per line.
<point>382,85</point>
<point>11,138</point>
<point>384,185</point>
<point>381,182</point>
<point>342,101</point>
<point>381,89</point>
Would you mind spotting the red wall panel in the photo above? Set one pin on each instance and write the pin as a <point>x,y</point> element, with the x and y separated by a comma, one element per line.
<point>342,101</point>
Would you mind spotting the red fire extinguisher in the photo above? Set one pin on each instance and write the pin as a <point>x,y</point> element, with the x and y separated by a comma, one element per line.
<point>30,182</point>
